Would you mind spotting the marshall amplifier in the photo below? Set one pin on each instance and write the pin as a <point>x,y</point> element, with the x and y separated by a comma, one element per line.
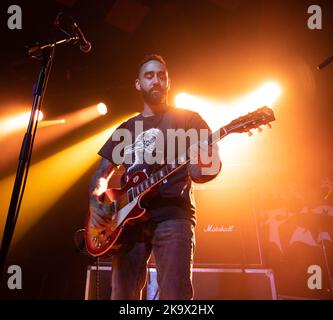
<point>226,230</point>
<point>208,283</point>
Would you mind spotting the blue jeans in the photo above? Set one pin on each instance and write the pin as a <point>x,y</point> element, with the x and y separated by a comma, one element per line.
<point>172,243</point>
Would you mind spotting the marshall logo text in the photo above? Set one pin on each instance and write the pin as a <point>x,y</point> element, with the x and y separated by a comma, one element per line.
<point>213,228</point>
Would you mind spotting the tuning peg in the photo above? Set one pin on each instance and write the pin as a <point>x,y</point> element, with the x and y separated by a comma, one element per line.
<point>259,129</point>
<point>250,134</point>
<point>269,125</point>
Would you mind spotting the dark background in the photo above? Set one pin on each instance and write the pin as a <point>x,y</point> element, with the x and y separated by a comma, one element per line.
<point>213,48</point>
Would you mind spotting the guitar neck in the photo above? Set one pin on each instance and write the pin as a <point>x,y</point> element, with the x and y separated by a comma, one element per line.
<point>262,116</point>
<point>169,169</point>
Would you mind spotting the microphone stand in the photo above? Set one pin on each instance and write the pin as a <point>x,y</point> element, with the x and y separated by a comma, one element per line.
<point>45,53</point>
<point>325,63</point>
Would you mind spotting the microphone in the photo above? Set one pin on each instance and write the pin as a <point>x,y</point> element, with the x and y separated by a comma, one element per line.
<point>85,46</point>
<point>325,63</point>
<point>66,20</point>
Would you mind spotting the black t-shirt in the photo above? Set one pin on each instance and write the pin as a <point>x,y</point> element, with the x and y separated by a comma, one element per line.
<point>174,197</point>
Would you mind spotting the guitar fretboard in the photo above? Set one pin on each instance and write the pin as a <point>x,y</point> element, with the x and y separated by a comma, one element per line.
<point>154,178</point>
<point>158,176</point>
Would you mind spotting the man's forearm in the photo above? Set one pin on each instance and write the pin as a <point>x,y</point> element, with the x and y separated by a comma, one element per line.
<point>104,171</point>
<point>99,210</point>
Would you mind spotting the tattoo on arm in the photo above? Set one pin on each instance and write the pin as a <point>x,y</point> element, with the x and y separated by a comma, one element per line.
<point>104,170</point>
<point>98,209</point>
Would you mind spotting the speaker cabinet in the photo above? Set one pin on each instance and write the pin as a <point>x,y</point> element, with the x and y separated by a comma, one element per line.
<point>226,231</point>
<point>208,283</point>
<point>98,284</point>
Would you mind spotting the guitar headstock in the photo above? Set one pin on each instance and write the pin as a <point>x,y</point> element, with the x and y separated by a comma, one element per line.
<point>253,120</point>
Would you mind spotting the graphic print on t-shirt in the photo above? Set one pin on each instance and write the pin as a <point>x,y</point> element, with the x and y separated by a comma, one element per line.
<point>144,143</point>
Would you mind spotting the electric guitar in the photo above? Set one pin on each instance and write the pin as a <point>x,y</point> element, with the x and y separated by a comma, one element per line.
<point>126,202</point>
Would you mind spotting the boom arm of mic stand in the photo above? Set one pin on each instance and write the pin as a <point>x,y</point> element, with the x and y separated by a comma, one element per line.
<point>36,50</point>
<point>325,63</point>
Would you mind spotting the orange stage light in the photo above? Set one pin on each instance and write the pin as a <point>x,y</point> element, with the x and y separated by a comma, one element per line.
<point>50,178</point>
<point>102,108</point>
<point>15,123</point>
<point>236,151</point>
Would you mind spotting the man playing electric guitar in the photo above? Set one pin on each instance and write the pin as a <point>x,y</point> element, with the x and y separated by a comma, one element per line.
<point>168,228</point>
